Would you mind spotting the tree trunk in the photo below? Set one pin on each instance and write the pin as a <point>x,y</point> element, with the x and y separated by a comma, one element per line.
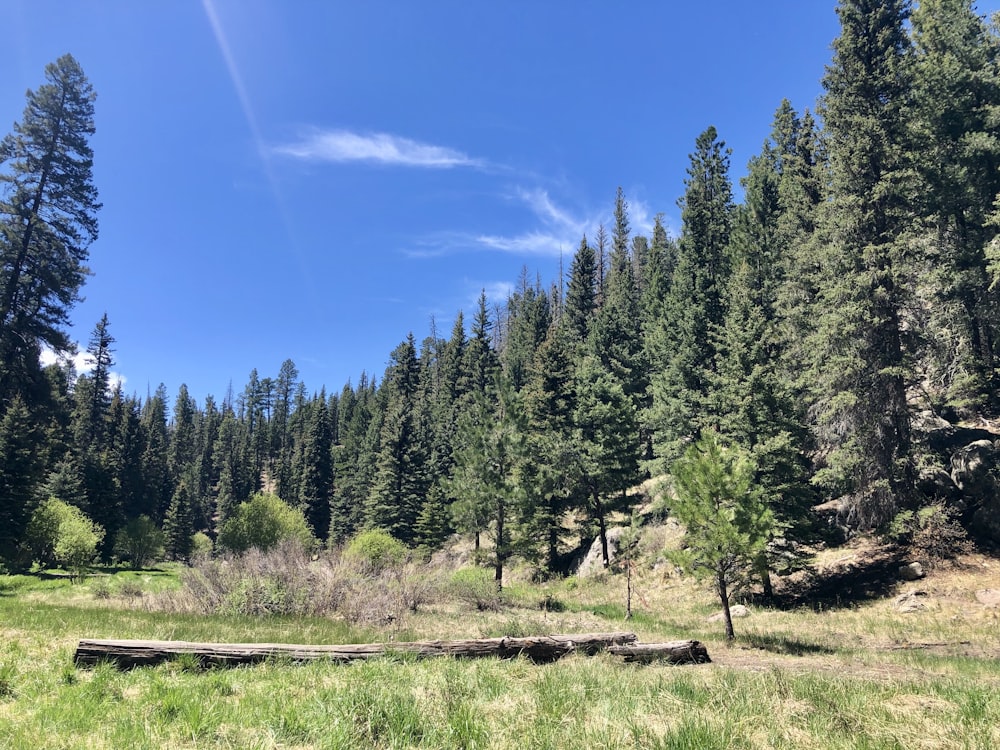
<point>501,545</point>
<point>126,654</point>
<point>602,529</point>
<point>727,615</point>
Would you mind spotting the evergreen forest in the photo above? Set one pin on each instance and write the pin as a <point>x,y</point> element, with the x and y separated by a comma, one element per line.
<point>834,316</point>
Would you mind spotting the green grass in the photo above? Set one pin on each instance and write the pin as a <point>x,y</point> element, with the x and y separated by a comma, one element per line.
<point>793,680</point>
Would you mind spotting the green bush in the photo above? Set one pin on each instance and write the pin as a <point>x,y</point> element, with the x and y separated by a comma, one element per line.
<point>475,586</point>
<point>263,522</point>
<point>201,545</point>
<point>140,542</point>
<point>376,550</point>
<point>62,534</point>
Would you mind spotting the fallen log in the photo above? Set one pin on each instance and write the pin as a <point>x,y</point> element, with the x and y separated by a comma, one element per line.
<point>546,648</point>
<point>675,652</point>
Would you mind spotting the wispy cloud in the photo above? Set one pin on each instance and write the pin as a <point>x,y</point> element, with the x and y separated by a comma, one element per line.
<point>497,293</point>
<point>82,363</point>
<point>529,243</point>
<point>379,148</point>
<point>559,233</point>
<point>557,230</point>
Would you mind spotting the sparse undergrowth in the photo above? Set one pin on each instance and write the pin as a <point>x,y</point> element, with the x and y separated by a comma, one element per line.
<point>858,675</point>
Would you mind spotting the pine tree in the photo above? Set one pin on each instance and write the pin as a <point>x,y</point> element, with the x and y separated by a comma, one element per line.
<point>581,295</point>
<point>19,466</point>
<point>862,350</point>
<point>726,525</point>
<point>682,340</point>
<point>126,448</point>
<point>155,461</point>
<point>551,468</point>
<point>528,316</point>
<point>957,97</point>
<point>317,469</point>
<point>399,486</point>
<point>616,334</point>
<point>802,189</point>
<point>178,524</point>
<point>488,455</point>
<point>93,393</point>
<point>606,429</point>
<point>48,218</point>
<point>350,488</point>
<point>751,400</point>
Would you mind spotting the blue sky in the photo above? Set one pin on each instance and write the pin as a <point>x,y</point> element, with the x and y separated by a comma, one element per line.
<point>313,180</point>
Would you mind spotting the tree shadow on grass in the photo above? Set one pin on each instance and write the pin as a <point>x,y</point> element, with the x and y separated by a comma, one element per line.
<point>843,586</point>
<point>779,644</point>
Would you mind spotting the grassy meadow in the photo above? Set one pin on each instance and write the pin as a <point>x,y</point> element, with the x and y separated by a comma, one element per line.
<point>836,673</point>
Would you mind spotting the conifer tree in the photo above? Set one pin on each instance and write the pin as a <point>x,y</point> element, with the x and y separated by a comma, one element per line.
<point>48,218</point>
<point>399,485</point>
<point>863,355</point>
<point>751,399</point>
<point>957,97</point>
<point>317,469</point>
<point>489,450</point>
<point>528,316</point>
<point>155,460</point>
<point>802,188</point>
<point>352,457</point>
<point>551,470</point>
<point>682,339</point>
<point>178,524</point>
<point>581,295</point>
<point>19,464</point>
<point>606,428</point>
<point>726,524</point>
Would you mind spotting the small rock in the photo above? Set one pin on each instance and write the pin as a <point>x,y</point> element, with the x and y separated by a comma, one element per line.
<point>912,572</point>
<point>737,610</point>
<point>910,602</point>
<point>988,597</point>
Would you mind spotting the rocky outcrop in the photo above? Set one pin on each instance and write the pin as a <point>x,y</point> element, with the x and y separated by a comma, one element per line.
<point>974,469</point>
<point>593,563</point>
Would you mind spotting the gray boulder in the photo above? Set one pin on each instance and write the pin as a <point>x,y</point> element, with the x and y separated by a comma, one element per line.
<point>913,571</point>
<point>593,563</point>
<point>972,465</point>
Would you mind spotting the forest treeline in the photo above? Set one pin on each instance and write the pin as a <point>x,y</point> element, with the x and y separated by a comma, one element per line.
<point>814,324</point>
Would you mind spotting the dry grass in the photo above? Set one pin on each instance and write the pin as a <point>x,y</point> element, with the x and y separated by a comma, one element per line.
<point>858,674</point>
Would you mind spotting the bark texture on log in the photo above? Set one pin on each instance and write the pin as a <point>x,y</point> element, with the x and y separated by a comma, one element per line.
<point>545,648</point>
<point>675,652</point>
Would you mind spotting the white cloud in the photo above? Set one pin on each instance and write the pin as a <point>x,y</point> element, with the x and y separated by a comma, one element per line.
<point>541,204</point>
<point>497,293</point>
<point>380,148</point>
<point>557,232</point>
<point>529,243</point>
<point>82,363</point>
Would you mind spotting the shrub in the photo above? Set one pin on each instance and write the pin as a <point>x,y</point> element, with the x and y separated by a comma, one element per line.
<point>62,534</point>
<point>475,586</point>
<point>43,531</point>
<point>76,544</point>
<point>375,551</point>
<point>140,542</point>
<point>262,522</point>
<point>932,532</point>
<point>201,545</point>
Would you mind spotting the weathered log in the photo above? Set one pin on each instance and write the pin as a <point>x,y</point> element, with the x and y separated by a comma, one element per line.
<point>545,648</point>
<point>675,652</point>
